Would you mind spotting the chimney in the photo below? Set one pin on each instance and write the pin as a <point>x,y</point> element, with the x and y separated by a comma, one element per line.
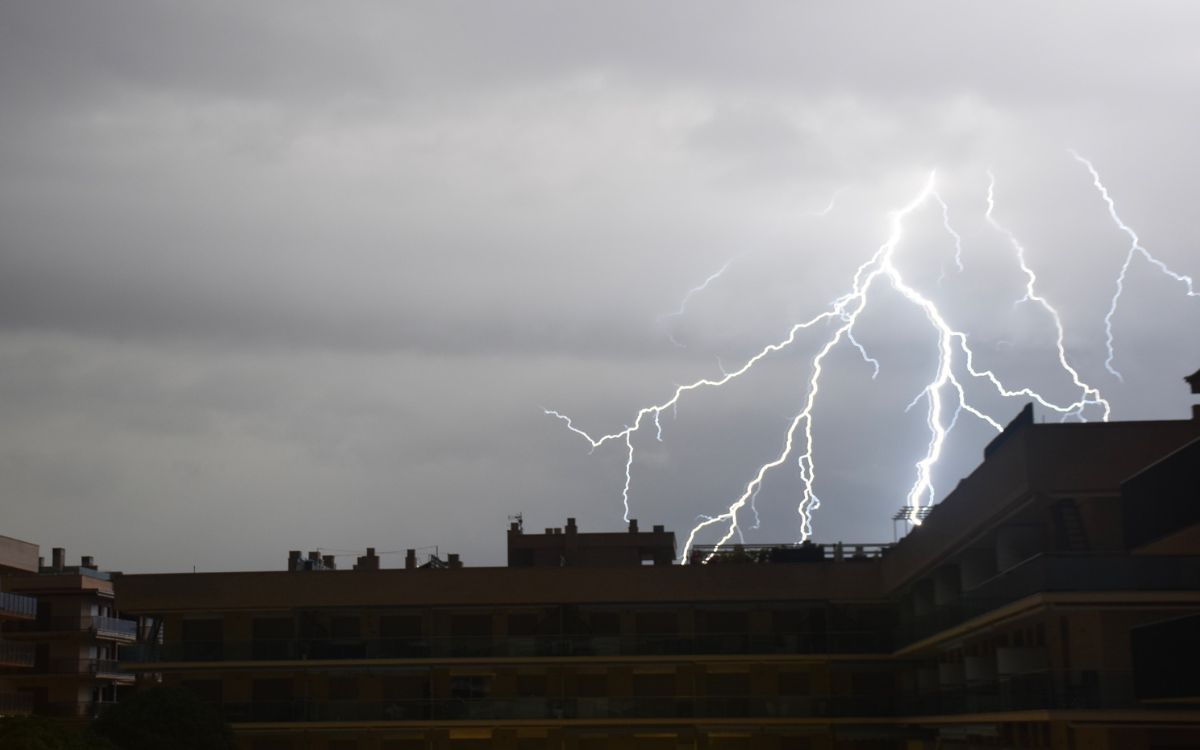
<point>369,561</point>
<point>41,563</point>
<point>314,556</point>
<point>660,529</point>
<point>58,556</point>
<point>571,527</point>
<point>514,527</point>
<point>452,560</point>
<point>87,561</point>
<point>329,562</point>
<point>633,529</point>
<point>294,560</point>
<point>410,559</point>
<point>549,531</point>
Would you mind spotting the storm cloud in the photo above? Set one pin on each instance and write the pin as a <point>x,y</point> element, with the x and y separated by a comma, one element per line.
<point>284,275</point>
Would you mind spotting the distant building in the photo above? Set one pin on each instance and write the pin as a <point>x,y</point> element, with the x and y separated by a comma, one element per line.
<point>59,653</point>
<point>1051,600</point>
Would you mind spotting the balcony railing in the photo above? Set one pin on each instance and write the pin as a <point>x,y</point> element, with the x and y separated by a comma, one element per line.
<point>104,627</point>
<point>15,704</point>
<point>806,552</point>
<point>16,605</point>
<point>16,654</point>
<point>102,668</point>
<point>467,647</point>
<point>1058,573</point>
<point>114,627</point>
<point>1077,692</point>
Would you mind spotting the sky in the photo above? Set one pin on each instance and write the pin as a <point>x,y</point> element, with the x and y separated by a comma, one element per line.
<point>295,275</point>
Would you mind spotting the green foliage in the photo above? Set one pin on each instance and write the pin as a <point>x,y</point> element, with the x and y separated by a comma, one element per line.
<point>163,718</point>
<point>42,733</point>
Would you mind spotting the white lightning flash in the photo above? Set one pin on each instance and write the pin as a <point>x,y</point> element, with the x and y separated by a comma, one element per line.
<point>687,297</point>
<point>1135,248</point>
<point>692,293</point>
<point>944,396</point>
<point>1090,394</point>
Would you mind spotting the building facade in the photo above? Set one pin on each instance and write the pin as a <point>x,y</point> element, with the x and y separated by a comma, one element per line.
<point>64,649</point>
<point>1050,600</point>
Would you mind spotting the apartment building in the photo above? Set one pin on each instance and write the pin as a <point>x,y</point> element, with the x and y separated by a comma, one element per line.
<point>17,557</point>
<point>63,650</point>
<point>1050,600</point>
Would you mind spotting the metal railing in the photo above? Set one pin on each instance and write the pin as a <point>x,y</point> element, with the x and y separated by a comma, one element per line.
<point>17,605</point>
<point>17,654</point>
<point>1081,691</point>
<point>15,704</point>
<point>1049,573</point>
<point>484,647</point>
<point>114,626</point>
<point>786,553</point>
<point>105,627</point>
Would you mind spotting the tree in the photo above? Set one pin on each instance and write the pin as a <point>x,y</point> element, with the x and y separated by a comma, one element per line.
<point>164,718</point>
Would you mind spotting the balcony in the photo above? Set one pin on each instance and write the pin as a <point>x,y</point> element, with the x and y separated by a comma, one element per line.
<point>1079,691</point>
<point>1051,573</point>
<point>500,647</point>
<point>107,628</point>
<point>15,704</point>
<point>16,654</point>
<point>18,607</point>
<point>104,669</point>
<point>114,628</point>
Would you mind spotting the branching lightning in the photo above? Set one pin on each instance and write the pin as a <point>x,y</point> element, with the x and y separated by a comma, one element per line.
<point>1135,248</point>
<point>687,297</point>
<point>1090,394</point>
<point>945,396</point>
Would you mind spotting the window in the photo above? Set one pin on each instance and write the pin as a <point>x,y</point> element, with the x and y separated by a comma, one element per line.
<point>531,685</point>
<point>343,688</point>
<point>347,626</point>
<point>470,687</point>
<point>209,691</point>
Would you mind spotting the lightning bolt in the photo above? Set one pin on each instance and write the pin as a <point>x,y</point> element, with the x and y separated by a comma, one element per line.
<point>687,297</point>
<point>692,293</point>
<point>944,395</point>
<point>1090,394</point>
<point>1135,248</point>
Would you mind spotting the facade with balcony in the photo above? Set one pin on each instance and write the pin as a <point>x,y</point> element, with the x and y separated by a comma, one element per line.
<point>1007,619</point>
<point>63,659</point>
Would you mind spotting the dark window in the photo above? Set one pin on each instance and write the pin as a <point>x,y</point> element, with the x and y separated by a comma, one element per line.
<point>653,684</point>
<point>727,684</point>
<point>525,624</point>
<point>405,688</point>
<point>719,622</point>
<point>209,691</point>
<point>343,688</point>
<point>195,631</point>
<point>345,626</point>
<point>794,683</point>
<point>263,691</point>
<point>605,623</point>
<point>400,626</point>
<point>592,685</point>
<point>471,625</point>
<point>531,685</point>
<point>655,623</point>
<point>272,627</point>
<point>470,687</point>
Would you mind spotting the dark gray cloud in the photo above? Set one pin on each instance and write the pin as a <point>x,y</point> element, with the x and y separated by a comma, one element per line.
<point>277,275</point>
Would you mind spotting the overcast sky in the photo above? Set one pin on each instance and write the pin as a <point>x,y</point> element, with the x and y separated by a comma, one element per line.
<point>299,275</point>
